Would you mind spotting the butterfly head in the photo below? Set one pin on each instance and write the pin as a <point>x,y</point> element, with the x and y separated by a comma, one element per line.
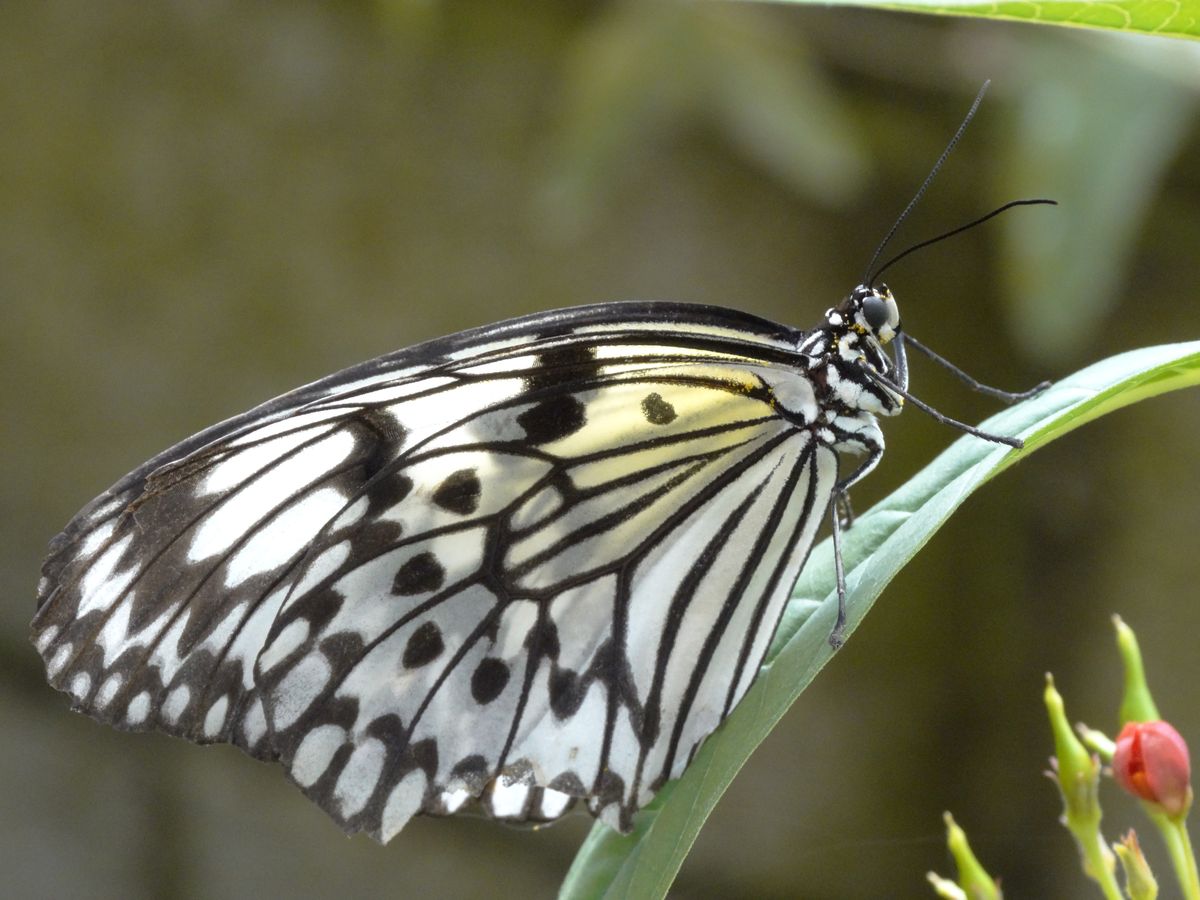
<point>870,312</point>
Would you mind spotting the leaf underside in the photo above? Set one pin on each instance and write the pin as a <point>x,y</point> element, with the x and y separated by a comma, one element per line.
<point>1164,18</point>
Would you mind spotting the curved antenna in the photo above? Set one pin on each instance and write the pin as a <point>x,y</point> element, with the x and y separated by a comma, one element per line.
<point>868,278</point>
<point>960,229</point>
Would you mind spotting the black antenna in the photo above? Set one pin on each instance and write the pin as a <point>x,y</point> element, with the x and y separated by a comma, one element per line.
<point>959,230</point>
<point>868,278</point>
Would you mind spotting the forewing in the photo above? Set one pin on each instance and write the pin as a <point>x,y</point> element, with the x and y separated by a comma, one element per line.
<point>532,564</point>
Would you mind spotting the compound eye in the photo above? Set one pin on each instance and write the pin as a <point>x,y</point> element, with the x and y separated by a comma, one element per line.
<point>875,311</point>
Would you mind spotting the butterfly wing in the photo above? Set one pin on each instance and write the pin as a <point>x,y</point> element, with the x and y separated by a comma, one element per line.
<point>531,564</point>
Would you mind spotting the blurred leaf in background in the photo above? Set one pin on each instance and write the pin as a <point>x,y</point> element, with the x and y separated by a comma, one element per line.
<point>641,73</point>
<point>1064,273</point>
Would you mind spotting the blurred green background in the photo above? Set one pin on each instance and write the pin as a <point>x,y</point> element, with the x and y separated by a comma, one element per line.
<point>203,204</point>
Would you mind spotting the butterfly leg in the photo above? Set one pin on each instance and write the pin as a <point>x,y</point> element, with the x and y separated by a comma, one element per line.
<point>845,511</point>
<point>1017,443</point>
<point>857,436</point>
<point>837,636</point>
<point>1005,396</point>
<point>841,515</point>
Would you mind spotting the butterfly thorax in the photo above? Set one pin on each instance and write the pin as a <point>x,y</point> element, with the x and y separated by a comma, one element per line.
<point>853,339</point>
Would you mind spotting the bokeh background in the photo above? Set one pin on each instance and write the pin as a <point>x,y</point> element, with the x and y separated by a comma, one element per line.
<point>203,204</point>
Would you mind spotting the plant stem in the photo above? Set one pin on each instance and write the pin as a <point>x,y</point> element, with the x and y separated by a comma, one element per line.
<point>1098,861</point>
<point>1183,858</point>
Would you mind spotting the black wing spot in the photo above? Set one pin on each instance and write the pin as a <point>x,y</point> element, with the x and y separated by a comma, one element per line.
<point>419,575</point>
<point>318,605</point>
<point>566,692</point>
<point>609,788</point>
<point>473,771</point>
<point>543,640</point>
<point>389,729</point>
<point>384,436</point>
<point>488,680</point>
<point>343,649</point>
<point>424,646</point>
<point>568,364</point>
<point>568,783</point>
<point>369,541</point>
<point>387,491</point>
<point>459,493</point>
<point>425,755</point>
<point>552,419</point>
<point>657,410</point>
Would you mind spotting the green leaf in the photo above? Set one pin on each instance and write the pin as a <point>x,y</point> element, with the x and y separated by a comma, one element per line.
<point>1170,18</point>
<point>644,863</point>
<point>640,72</point>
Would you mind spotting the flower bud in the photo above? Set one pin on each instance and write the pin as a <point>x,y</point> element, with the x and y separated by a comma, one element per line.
<point>1139,880</point>
<point>1151,762</point>
<point>973,879</point>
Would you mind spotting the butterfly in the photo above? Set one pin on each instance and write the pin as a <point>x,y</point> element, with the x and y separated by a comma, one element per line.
<point>526,565</point>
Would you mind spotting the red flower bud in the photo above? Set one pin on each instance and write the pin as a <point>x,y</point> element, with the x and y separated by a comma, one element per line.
<point>1151,762</point>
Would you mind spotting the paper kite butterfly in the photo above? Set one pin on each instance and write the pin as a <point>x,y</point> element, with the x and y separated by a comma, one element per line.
<point>529,563</point>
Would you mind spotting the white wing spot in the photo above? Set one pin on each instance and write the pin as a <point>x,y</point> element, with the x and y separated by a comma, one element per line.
<point>101,512</point>
<point>315,753</point>
<point>100,586</point>
<point>541,505</point>
<point>259,498</point>
<point>281,648</point>
<point>350,387</point>
<point>215,718</point>
<point>276,542</point>
<point>360,776</point>
<point>402,804</point>
<point>610,815</point>
<point>254,723</point>
<point>401,392</point>
<point>115,637</point>
<point>289,425</point>
<point>508,800</point>
<point>59,659</point>
<point>80,685</point>
<point>252,636</point>
<point>46,637</point>
<point>515,624</point>
<point>453,800</point>
<point>108,690</point>
<point>299,688</point>
<point>139,708</point>
<point>352,513</point>
<point>94,540</point>
<point>225,631</point>
<point>166,651</point>
<point>323,566</point>
<point>554,803</point>
<point>493,346</point>
<point>176,703</point>
<point>242,464</point>
<point>109,592</point>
